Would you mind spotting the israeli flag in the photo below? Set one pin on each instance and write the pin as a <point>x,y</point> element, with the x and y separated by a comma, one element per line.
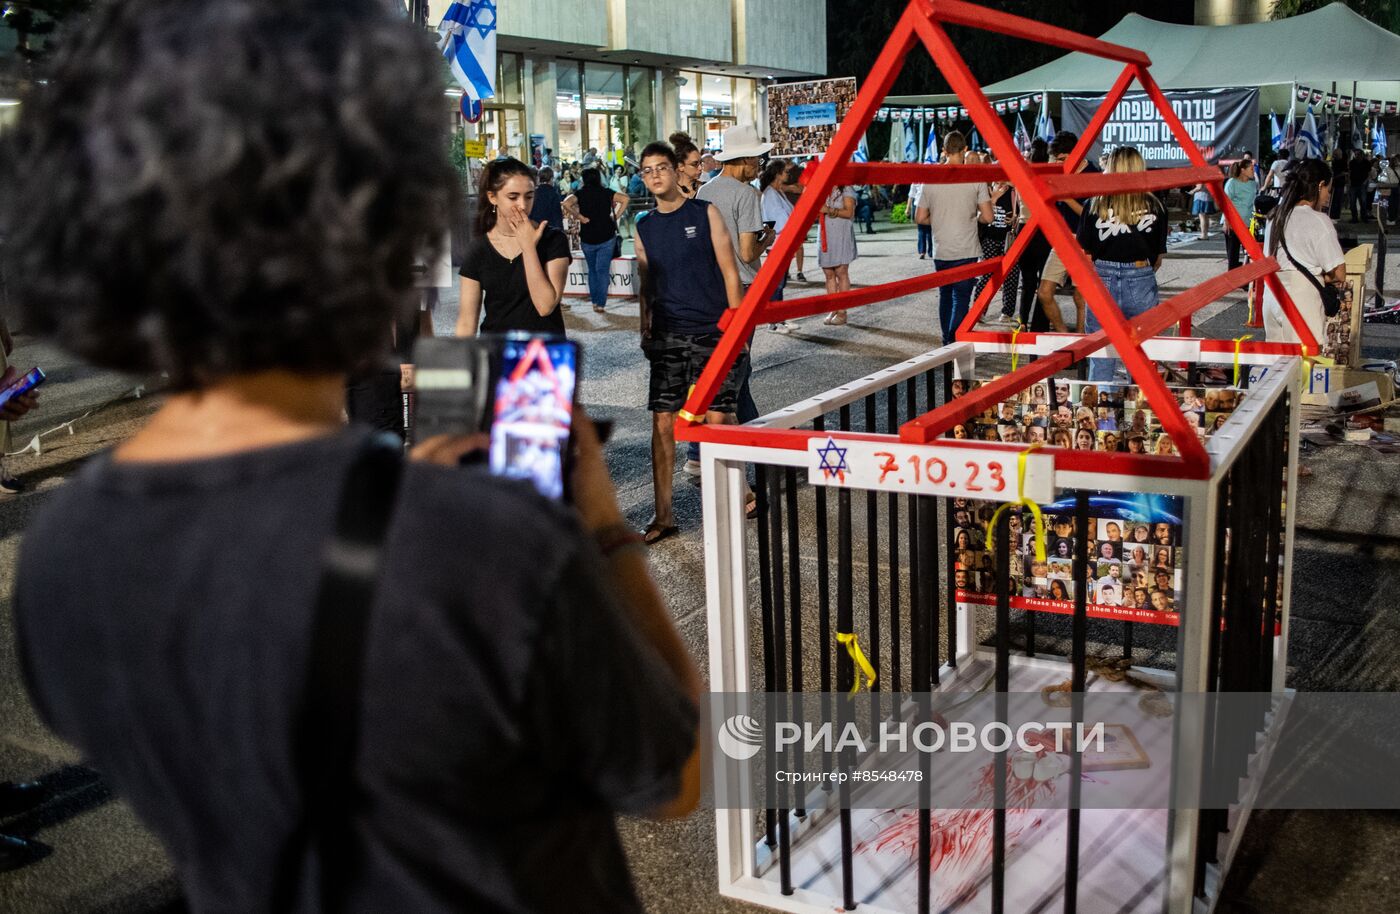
<point>862,153</point>
<point>911,146</point>
<point>931,152</point>
<point>1290,128</point>
<point>1358,133</point>
<point>1378,138</point>
<point>1275,132</point>
<point>1022,135</point>
<point>896,150</point>
<point>1308,145</point>
<point>468,33</point>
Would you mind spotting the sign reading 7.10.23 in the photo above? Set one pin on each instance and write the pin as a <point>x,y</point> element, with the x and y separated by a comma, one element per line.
<point>928,469</point>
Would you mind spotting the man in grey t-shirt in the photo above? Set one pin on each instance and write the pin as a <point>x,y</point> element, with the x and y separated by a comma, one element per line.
<point>953,212</point>
<point>739,204</point>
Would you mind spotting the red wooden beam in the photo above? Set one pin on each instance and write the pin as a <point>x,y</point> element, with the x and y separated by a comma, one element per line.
<point>1101,116</point>
<point>791,309</point>
<point>882,76</point>
<point>1142,369</point>
<point>934,423</point>
<point>955,12</point>
<point>1097,184</point>
<point>1227,209</point>
<point>925,173</point>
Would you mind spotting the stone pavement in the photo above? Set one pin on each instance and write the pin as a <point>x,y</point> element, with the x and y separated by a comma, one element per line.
<point>103,861</point>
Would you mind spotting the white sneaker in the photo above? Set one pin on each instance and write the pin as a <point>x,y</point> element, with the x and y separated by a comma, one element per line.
<point>692,468</point>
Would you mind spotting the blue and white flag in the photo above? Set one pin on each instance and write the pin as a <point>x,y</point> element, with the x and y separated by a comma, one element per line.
<point>1275,132</point>
<point>468,31</point>
<point>1044,127</point>
<point>974,142</point>
<point>911,145</point>
<point>862,153</point>
<point>931,152</point>
<point>1308,145</point>
<point>1022,135</point>
<point>1378,138</point>
<point>1358,133</point>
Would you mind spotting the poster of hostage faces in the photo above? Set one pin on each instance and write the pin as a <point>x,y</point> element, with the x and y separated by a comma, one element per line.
<point>1134,545</point>
<point>1134,539</point>
<point>823,105</point>
<point>1085,416</point>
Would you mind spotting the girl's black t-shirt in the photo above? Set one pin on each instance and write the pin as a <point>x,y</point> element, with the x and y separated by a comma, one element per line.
<point>505,292</point>
<point>1108,238</point>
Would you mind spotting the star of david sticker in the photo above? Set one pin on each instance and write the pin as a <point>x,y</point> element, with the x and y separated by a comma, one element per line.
<point>833,460</point>
<point>482,17</point>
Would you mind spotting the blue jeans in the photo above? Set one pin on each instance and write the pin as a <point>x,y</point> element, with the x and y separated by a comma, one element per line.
<point>925,239</point>
<point>953,299</point>
<point>599,260</point>
<point>1135,291</point>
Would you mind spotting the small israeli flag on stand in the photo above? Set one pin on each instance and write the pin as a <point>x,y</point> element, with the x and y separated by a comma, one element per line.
<point>468,33</point>
<point>1275,132</point>
<point>1307,145</point>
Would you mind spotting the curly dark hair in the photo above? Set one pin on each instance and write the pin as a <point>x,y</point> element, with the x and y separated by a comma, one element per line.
<point>207,189</point>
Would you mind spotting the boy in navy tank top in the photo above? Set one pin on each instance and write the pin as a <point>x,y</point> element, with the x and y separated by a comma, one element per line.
<point>688,280</point>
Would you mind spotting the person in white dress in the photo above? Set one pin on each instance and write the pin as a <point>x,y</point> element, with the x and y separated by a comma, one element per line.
<point>1300,236</point>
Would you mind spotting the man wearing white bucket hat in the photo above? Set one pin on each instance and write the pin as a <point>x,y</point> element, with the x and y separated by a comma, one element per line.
<point>738,202</point>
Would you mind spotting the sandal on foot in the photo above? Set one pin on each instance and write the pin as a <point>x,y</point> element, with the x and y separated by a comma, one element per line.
<point>655,533</point>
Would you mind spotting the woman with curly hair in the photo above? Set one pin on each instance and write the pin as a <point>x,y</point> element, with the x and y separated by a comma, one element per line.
<point>296,656</point>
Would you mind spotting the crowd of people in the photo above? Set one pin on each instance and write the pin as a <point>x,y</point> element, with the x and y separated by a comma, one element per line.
<point>509,678</point>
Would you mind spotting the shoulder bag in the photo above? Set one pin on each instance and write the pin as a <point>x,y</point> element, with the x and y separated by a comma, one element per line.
<point>327,724</point>
<point>1331,295</point>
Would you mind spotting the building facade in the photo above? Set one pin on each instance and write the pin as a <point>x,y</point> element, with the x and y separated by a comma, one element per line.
<point>613,75</point>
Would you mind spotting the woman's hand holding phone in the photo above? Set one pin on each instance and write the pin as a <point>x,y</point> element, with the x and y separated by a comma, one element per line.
<point>592,490</point>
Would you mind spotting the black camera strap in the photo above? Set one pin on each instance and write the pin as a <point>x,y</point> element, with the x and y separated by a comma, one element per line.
<point>327,728</point>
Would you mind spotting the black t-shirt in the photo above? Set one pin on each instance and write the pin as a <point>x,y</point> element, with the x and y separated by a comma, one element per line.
<point>596,205</point>
<point>505,292</point>
<point>1109,238</point>
<point>509,705</point>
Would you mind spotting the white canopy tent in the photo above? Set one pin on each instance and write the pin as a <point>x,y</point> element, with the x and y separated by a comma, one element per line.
<point>1317,49</point>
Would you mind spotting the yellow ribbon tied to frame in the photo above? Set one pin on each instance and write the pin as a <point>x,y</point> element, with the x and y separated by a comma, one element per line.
<point>1239,340</point>
<point>1022,500</point>
<point>859,659</point>
<point>1015,333</point>
<point>686,414</point>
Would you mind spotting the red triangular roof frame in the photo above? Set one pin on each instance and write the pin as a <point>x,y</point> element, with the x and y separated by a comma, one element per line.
<point>1040,186</point>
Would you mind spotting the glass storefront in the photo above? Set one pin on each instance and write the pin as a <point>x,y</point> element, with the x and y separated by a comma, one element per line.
<point>503,120</point>
<point>710,104</point>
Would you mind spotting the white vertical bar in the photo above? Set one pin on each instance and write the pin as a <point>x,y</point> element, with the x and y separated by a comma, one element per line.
<point>723,493</point>
<point>1293,376</point>
<point>1189,740</point>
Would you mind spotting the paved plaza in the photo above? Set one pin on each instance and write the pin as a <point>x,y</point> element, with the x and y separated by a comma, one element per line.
<point>103,861</point>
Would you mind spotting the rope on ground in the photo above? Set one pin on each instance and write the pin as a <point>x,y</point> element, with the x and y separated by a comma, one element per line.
<point>36,444</point>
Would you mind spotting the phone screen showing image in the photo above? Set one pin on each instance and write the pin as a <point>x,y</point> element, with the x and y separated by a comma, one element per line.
<point>533,413</point>
<point>22,385</point>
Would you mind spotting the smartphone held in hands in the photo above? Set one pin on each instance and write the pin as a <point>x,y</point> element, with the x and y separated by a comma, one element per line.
<point>520,389</point>
<point>22,385</point>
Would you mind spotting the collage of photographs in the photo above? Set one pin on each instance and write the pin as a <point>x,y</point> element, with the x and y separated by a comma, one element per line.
<point>1134,558</point>
<point>1085,416</point>
<point>1135,552</point>
<point>807,140</point>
